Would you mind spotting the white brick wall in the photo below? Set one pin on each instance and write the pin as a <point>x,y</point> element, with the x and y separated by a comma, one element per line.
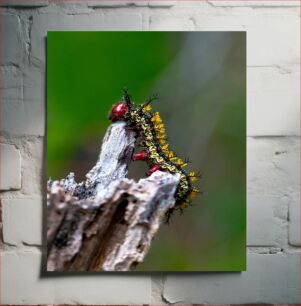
<point>273,45</point>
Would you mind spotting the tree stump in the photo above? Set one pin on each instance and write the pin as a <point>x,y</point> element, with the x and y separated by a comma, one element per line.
<point>107,222</point>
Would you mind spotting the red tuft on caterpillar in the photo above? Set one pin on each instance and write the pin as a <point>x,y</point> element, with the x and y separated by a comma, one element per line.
<point>154,168</point>
<point>140,156</point>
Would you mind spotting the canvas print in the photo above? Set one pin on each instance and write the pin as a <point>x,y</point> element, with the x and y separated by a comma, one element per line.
<point>146,151</point>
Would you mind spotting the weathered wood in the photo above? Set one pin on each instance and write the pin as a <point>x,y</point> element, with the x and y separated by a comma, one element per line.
<point>107,222</point>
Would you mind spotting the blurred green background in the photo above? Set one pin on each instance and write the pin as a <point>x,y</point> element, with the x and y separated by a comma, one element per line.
<point>200,78</point>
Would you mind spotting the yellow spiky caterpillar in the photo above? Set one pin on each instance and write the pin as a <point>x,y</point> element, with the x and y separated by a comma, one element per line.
<point>156,152</point>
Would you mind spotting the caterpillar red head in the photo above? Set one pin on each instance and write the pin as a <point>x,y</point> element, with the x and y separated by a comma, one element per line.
<point>118,111</point>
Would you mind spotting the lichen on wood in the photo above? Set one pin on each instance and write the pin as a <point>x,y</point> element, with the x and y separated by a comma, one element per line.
<point>107,222</point>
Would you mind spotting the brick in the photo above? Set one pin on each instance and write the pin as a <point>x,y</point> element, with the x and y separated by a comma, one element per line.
<point>267,31</point>
<point>22,283</point>
<point>287,160</point>
<point>121,22</point>
<point>89,22</point>
<point>32,166</point>
<point>268,279</point>
<point>23,106</point>
<point>12,44</point>
<point>11,78</point>
<point>24,3</point>
<point>133,289</point>
<point>12,106</point>
<point>294,220</point>
<point>67,7</point>
<point>157,287</point>
<point>261,224</point>
<point>250,3</point>
<point>270,31</point>
<point>10,160</point>
<point>109,3</point>
<point>22,221</point>
<point>118,3</point>
<point>34,101</point>
<point>276,89</point>
<point>273,165</point>
<point>141,3</point>
<point>161,3</point>
<point>170,23</point>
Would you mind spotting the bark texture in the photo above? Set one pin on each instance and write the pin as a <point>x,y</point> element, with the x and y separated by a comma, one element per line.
<point>107,222</point>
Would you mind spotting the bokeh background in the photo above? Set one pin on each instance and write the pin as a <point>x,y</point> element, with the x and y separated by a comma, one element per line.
<point>200,78</point>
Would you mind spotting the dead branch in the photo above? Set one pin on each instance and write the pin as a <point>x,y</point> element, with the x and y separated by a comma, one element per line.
<point>107,222</point>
